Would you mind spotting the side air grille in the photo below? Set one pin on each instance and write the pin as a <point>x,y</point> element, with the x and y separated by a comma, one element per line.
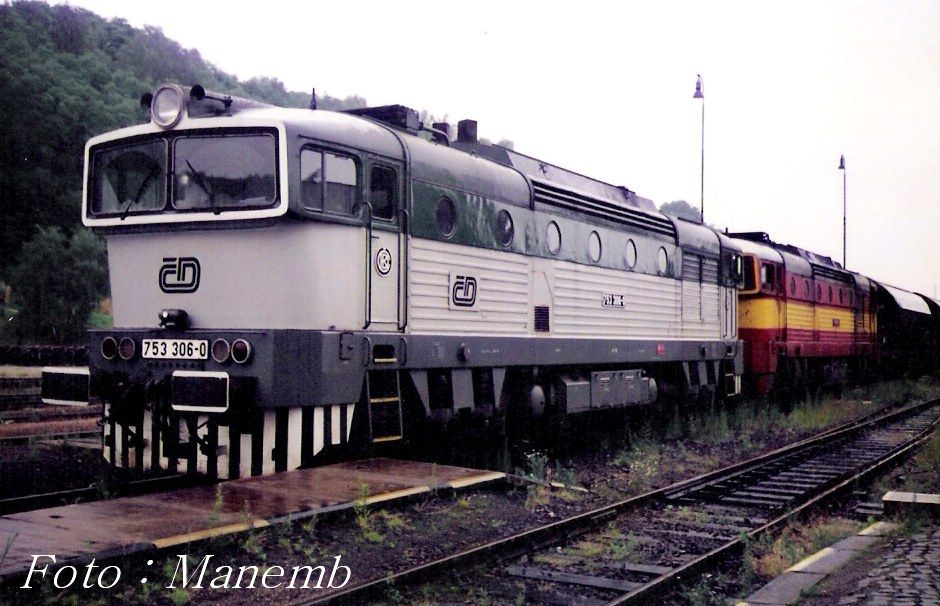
<point>541,318</point>
<point>832,274</point>
<point>696,268</point>
<point>582,203</point>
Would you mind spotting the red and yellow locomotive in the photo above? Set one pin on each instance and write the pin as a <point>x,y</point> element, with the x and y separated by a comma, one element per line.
<point>805,321</point>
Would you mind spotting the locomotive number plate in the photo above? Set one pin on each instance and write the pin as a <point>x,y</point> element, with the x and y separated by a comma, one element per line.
<point>175,349</point>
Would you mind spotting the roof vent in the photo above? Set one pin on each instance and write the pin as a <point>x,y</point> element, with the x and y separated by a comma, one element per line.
<point>444,127</point>
<point>467,131</point>
<point>394,115</point>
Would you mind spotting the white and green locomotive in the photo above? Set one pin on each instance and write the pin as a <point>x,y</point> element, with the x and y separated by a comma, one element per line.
<point>286,282</point>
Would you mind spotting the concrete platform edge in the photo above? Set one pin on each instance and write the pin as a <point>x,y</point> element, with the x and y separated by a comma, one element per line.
<point>788,587</point>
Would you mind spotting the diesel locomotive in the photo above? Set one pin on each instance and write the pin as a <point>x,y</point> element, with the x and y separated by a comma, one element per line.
<point>286,282</point>
<point>290,284</point>
<point>807,322</point>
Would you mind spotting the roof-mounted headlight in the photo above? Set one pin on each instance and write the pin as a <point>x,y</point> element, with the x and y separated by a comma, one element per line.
<point>167,105</point>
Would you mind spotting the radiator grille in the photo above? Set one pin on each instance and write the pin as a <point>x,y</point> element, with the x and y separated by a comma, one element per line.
<point>832,274</point>
<point>582,203</point>
<point>541,318</point>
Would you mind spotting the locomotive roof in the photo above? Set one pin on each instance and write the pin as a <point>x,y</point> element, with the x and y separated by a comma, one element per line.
<point>696,236</point>
<point>906,299</point>
<point>796,264</point>
<point>467,165</point>
<point>799,260</point>
<point>759,249</point>
<point>429,161</point>
<point>540,170</point>
<point>453,168</point>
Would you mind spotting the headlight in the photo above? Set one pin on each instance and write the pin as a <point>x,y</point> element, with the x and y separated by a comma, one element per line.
<point>241,351</point>
<point>127,348</point>
<point>109,348</point>
<point>220,351</point>
<point>166,109</point>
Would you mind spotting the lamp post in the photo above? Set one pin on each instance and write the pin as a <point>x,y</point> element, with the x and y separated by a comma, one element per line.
<point>842,168</point>
<point>700,94</point>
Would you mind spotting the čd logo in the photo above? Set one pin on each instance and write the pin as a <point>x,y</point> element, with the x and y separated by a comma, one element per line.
<point>179,274</point>
<point>464,292</point>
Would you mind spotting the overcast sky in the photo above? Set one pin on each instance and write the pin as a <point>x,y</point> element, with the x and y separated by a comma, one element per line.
<point>606,90</point>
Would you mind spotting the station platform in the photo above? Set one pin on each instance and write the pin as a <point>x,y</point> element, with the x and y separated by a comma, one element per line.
<point>76,533</point>
<point>880,566</point>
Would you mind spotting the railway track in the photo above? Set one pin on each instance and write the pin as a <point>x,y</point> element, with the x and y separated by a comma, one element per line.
<point>96,492</point>
<point>41,412</point>
<point>51,429</point>
<point>10,401</point>
<point>637,550</point>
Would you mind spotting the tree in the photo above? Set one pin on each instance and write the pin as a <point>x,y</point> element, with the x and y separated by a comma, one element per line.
<point>57,283</point>
<point>682,209</point>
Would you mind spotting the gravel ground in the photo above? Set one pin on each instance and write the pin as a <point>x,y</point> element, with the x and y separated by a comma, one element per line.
<point>611,462</point>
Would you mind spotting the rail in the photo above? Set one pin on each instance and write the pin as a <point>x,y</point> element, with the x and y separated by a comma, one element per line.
<point>666,577</point>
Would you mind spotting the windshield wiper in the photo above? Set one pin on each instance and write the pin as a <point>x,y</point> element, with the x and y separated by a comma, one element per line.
<point>197,177</point>
<point>140,191</point>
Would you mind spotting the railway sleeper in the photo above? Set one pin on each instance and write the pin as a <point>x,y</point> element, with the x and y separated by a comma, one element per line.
<point>757,503</point>
<point>540,574</point>
<point>713,525</point>
<point>792,492</point>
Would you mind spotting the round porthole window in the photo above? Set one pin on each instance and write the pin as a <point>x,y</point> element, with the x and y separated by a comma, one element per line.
<point>594,246</point>
<point>553,238</point>
<point>504,228</point>
<point>662,260</point>
<point>629,254</point>
<point>446,217</point>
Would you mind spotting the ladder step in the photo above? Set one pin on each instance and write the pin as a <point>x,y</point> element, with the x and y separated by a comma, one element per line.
<point>383,394</point>
<point>386,439</point>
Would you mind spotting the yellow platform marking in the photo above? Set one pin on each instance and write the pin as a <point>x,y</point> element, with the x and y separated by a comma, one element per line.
<point>208,533</point>
<point>388,496</point>
<point>879,529</point>
<point>807,561</point>
<point>485,477</point>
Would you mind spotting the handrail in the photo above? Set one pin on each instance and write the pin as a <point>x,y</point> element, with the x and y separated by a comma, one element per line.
<point>368,298</point>
<point>402,260</point>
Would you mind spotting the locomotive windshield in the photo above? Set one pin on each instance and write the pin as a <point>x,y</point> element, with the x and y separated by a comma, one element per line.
<point>130,178</point>
<point>224,172</point>
<point>185,173</point>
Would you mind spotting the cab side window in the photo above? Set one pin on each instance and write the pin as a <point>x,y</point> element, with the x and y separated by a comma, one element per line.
<point>383,192</point>
<point>767,277</point>
<point>749,271</point>
<point>328,182</point>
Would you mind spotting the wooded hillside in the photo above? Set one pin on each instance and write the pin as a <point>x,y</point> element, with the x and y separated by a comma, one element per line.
<point>66,75</point>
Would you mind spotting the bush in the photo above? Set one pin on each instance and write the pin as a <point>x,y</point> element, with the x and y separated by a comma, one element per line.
<point>56,285</point>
